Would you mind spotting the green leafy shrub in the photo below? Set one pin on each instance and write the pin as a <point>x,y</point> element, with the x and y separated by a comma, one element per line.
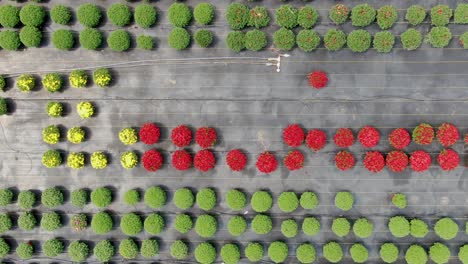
<point>101,197</point>
<point>386,16</point>
<point>3,105</point>
<point>129,159</point>
<point>53,247</point>
<point>203,38</point>
<point>237,15</point>
<point>183,223</point>
<point>32,15</point>
<point>288,202</point>
<point>305,253</point>
<point>128,136</point>
<point>119,14</point>
<point>184,198</point>
<point>415,255</point>
<point>179,15</point>
<point>60,14</point>
<point>179,38</point>
<point>63,39</point>
<point>463,254</point>
<point>131,224</point>
<point>206,199</point>
<point>102,223</point>
<point>359,40</point>
<point>339,13</point>
<point>258,17</point>
<point>104,251</point>
<point>334,39</point>
<point>5,223</point>
<point>411,39</point>
<point>311,226</point>
<point>237,225</point>
<point>25,250</point>
<point>9,16</point>
<point>76,135</point>
<point>254,251</point>
<point>128,249</point>
<point>6,197</point>
<point>278,251</point>
<point>131,197</point>
<point>51,134</point>
<point>206,225</point>
<point>78,78</point>
<point>284,39</point>
<point>344,201</point>
<point>76,160</point>
<point>261,224</point>
<point>53,82</point>
<point>289,228</point>
<point>9,40</point>
<point>155,197</point>
<point>154,224</point>
<point>460,16</point>
<point>230,253</point>
<point>203,13</point>
<point>205,253</point>
<point>362,15</point>
<point>384,41</point>
<point>4,248</point>
<point>27,221</point>
<point>363,228</point>
<point>145,42</point>
<point>119,40</point>
<point>79,222</point>
<point>308,40</point>
<point>179,250</point>
<point>78,251</point>
<point>51,158</point>
<point>440,15</point>
<point>399,200</point>
<point>98,160</point>
<point>418,228</point>
<point>261,201</point>
<point>415,14</point>
<point>2,83</point>
<point>25,82</point>
<point>89,15</point>
<point>145,15</point>
<point>236,199</point>
<point>26,199</point>
<point>332,252</point>
<point>359,253</point>
<point>389,252</point>
<point>439,253</point>
<point>307,17</point>
<point>79,198</point>
<point>90,38</point>
<point>30,36</point>
<point>341,226</point>
<point>235,41</point>
<point>286,16</point>
<point>446,228</point>
<point>149,248</point>
<point>52,197</point>
<point>51,221</point>
<point>439,37</point>
<point>399,226</point>
<point>255,40</point>
<point>85,109</point>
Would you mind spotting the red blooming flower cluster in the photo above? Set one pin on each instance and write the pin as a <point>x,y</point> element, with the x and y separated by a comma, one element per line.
<point>397,161</point>
<point>447,134</point>
<point>374,161</point>
<point>448,159</point>
<point>236,160</point>
<point>149,133</point>
<point>204,160</point>
<point>293,135</point>
<point>420,160</point>
<point>181,136</point>
<point>316,139</point>
<point>266,162</point>
<point>152,160</point>
<point>399,138</point>
<point>344,160</point>
<point>343,137</point>
<point>294,160</point>
<point>181,160</point>
<point>368,136</point>
<point>318,79</point>
<point>423,134</point>
<point>206,137</point>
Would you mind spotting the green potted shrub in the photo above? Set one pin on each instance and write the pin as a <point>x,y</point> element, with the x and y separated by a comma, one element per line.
<point>254,251</point>
<point>179,250</point>
<point>359,40</point>
<point>389,252</point>
<point>184,198</point>
<point>341,226</point>
<point>101,197</point>
<point>236,199</point>
<point>131,197</point>
<point>183,223</point>
<point>6,197</point>
<point>460,15</point>
<point>27,221</point>
<point>154,224</point>
<point>289,228</point>
<point>5,223</point>
<point>102,223</point>
<point>261,201</point>
<point>179,38</point>
<point>53,247</point>
<point>286,16</point>
<point>399,226</point>
<point>149,248</point>
<point>255,40</point>
<point>25,250</point>
<point>9,40</point>
<point>411,39</point>
<point>308,40</point>
<point>155,197</point>
<point>89,15</point>
<point>288,202</point>
<point>206,199</point>
<point>439,37</point>
<point>131,224</point>
<point>63,39</point>
<point>119,14</point>
<point>119,40</point>
<point>206,226</point>
<point>145,42</point>
<point>30,36</point>
<point>284,39</point>
<point>310,226</point>
<point>52,197</point>
<point>51,221</point>
<point>145,15</point>
<point>203,13</point>
<point>363,228</point>
<point>439,253</point>
<point>416,254</point>
<point>26,199</point>
<point>230,253</point>
<point>384,41</point>
<point>79,198</point>
<point>179,14</point>
<point>363,15</point>
<point>60,14</point>
<point>258,17</point>
<point>415,15</point>
<point>278,251</point>
<point>359,253</point>
<point>339,13</point>
<point>203,38</point>
<point>104,251</point>
<point>386,16</point>
<point>128,249</point>
<point>235,41</point>
<point>90,38</point>
<point>78,251</point>
<point>237,225</point>
<point>344,201</point>
<point>237,15</point>
<point>32,15</point>
<point>334,39</point>
<point>440,15</point>
<point>332,252</point>
<point>307,17</point>
<point>9,16</point>
<point>205,253</point>
<point>261,224</point>
<point>418,228</point>
<point>446,228</point>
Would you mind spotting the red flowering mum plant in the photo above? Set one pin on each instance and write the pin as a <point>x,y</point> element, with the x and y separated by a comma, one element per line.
<point>344,160</point>
<point>399,138</point>
<point>204,160</point>
<point>447,134</point>
<point>420,161</point>
<point>236,160</point>
<point>181,160</point>
<point>149,134</point>
<point>316,139</point>
<point>181,136</point>
<point>152,160</point>
<point>293,135</point>
<point>206,137</point>
<point>448,159</point>
<point>343,137</point>
<point>397,161</point>
<point>374,161</point>
<point>423,134</point>
<point>266,162</point>
<point>368,136</point>
<point>294,160</point>
<point>318,79</point>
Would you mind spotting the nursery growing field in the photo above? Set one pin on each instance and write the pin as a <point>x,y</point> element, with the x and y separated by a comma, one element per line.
<point>248,104</point>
